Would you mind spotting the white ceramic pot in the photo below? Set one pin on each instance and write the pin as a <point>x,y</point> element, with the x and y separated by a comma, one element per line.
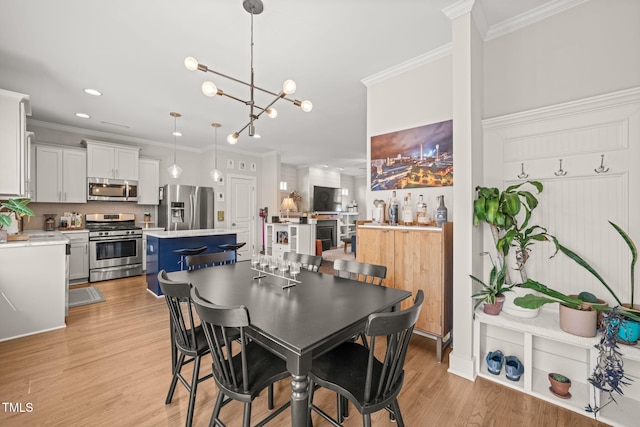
<point>509,306</point>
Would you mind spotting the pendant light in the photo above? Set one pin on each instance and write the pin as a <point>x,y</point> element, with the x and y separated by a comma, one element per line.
<point>216,174</point>
<point>174,170</point>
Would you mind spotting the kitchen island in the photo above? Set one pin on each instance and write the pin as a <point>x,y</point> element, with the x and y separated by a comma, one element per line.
<point>32,284</point>
<point>162,244</point>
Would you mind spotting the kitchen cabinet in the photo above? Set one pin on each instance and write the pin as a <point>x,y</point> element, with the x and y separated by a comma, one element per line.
<point>32,287</point>
<point>416,258</point>
<point>112,161</point>
<point>79,257</point>
<point>289,237</point>
<point>149,182</point>
<point>14,175</point>
<point>61,174</point>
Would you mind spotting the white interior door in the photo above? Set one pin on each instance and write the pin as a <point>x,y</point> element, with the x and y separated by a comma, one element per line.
<point>242,213</point>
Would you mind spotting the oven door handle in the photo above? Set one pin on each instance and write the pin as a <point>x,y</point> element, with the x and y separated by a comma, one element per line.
<point>115,239</point>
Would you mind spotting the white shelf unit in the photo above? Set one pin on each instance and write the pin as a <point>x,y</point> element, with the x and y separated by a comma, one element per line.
<point>289,237</point>
<point>347,225</point>
<point>543,347</point>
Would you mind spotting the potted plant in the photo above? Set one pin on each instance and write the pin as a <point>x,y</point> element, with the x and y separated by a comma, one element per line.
<point>17,207</point>
<point>508,213</point>
<point>492,293</point>
<point>560,385</point>
<point>578,315</point>
<point>608,375</point>
<point>628,321</point>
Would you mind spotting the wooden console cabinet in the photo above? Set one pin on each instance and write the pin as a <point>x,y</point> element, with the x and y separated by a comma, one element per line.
<point>416,258</point>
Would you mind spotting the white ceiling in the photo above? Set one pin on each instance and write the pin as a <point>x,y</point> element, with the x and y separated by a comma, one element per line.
<point>133,52</point>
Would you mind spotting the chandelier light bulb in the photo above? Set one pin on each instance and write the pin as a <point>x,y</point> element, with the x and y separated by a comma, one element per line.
<point>232,138</point>
<point>289,87</point>
<point>175,171</point>
<point>306,106</point>
<point>272,113</point>
<point>191,63</point>
<point>216,175</point>
<point>209,89</point>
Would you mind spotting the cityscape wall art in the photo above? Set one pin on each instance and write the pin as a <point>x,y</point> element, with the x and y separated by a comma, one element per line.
<point>413,158</point>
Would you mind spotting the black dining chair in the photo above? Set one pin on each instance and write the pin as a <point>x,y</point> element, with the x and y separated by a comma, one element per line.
<point>210,259</point>
<point>239,375</point>
<point>360,271</point>
<point>309,262</point>
<point>355,374</point>
<point>187,339</point>
<point>185,252</point>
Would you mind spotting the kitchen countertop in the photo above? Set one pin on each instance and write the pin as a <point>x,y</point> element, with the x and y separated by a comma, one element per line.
<point>399,227</point>
<point>189,233</point>
<point>37,238</point>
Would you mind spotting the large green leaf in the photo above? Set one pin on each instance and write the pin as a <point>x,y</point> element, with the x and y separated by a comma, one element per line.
<point>634,255</point>
<point>532,301</point>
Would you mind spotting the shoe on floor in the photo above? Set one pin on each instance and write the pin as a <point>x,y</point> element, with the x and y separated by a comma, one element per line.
<point>494,362</point>
<point>513,368</point>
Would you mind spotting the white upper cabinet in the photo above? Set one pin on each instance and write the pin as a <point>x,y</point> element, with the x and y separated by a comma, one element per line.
<point>149,182</point>
<point>111,161</point>
<point>14,107</point>
<point>61,175</point>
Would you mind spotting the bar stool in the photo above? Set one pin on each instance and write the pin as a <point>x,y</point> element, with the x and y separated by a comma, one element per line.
<point>185,252</point>
<point>232,247</point>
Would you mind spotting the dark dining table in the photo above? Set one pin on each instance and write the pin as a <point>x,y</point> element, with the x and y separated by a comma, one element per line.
<point>299,322</point>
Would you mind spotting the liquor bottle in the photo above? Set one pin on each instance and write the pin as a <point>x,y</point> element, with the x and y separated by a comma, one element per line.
<point>393,209</point>
<point>421,212</point>
<point>441,212</point>
<point>407,211</point>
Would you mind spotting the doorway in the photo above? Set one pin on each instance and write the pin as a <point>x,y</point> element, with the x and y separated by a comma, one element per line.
<point>242,212</point>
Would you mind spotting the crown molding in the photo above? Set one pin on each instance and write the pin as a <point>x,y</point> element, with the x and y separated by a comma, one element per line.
<point>418,61</point>
<point>530,17</point>
<point>458,9</point>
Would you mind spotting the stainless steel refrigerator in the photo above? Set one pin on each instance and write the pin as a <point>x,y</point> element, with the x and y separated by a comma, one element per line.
<point>186,207</point>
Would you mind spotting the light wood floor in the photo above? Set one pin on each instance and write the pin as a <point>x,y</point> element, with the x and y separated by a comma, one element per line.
<point>111,367</point>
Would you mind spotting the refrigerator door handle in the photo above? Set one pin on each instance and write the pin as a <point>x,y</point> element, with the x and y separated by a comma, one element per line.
<point>192,210</point>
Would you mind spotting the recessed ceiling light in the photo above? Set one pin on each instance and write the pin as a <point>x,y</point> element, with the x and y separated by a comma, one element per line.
<point>176,133</point>
<point>326,166</point>
<point>82,115</point>
<point>93,92</point>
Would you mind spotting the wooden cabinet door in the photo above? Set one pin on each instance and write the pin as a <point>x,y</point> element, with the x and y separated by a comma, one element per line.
<point>419,265</point>
<point>375,246</point>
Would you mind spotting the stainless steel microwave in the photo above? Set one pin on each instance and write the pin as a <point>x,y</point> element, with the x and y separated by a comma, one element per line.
<point>113,190</point>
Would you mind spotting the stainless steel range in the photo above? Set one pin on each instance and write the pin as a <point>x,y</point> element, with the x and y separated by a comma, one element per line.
<point>115,246</point>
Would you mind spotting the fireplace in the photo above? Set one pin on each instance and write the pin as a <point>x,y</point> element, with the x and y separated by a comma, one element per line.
<point>326,232</point>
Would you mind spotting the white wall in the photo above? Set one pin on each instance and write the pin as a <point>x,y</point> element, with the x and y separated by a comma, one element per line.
<point>588,50</point>
<point>415,98</point>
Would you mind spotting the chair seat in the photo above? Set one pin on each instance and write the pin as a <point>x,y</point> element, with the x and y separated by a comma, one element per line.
<point>190,251</point>
<point>232,246</point>
<point>201,340</point>
<point>344,370</point>
<point>265,368</point>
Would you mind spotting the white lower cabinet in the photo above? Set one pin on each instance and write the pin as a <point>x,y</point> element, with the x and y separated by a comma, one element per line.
<point>543,347</point>
<point>79,257</point>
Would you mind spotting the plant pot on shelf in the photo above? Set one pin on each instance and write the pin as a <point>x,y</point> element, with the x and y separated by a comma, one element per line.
<point>629,332</point>
<point>511,308</point>
<point>494,309</point>
<point>599,314</point>
<point>560,385</point>
<point>578,322</point>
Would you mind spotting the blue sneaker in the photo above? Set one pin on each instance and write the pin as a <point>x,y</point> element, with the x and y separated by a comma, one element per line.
<point>494,362</point>
<point>513,368</point>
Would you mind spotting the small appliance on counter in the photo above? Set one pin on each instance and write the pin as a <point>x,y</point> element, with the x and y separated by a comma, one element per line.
<point>50,222</point>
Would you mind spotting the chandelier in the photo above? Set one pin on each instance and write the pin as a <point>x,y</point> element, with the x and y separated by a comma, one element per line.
<point>254,7</point>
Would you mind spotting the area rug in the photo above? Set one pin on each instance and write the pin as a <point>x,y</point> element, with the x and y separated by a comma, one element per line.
<point>84,296</point>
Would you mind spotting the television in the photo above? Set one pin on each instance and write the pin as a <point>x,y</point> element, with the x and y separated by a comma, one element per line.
<point>327,199</point>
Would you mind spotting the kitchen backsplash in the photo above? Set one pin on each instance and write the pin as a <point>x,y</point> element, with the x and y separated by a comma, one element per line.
<point>40,209</point>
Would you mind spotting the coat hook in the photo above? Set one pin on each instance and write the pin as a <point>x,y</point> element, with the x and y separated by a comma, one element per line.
<point>560,172</point>
<point>522,175</point>
<point>602,169</point>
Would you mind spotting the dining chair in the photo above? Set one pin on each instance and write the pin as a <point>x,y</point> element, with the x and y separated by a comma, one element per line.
<point>239,375</point>
<point>187,339</point>
<point>355,374</point>
<point>309,262</point>
<point>185,252</point>
<point>210,259</point>
<point>360,271</point>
